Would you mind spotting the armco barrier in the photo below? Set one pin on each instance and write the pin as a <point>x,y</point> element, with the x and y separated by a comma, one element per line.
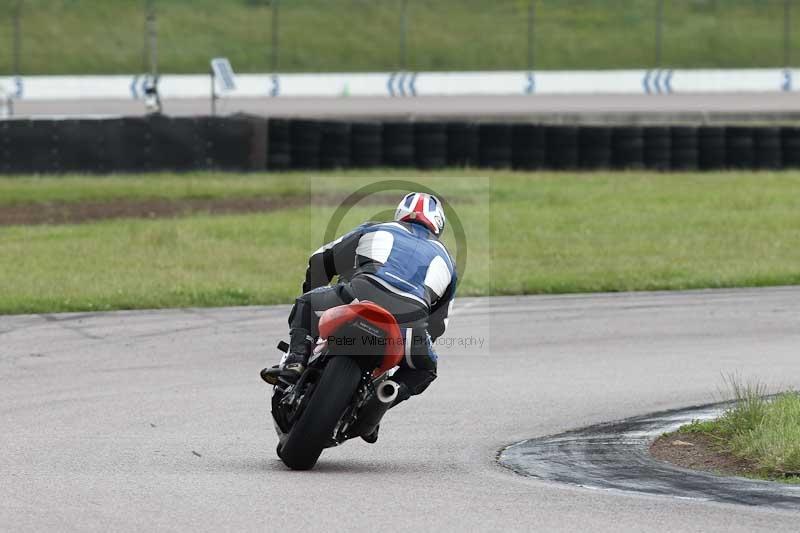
<point>247,143</point>
<point>408,84</point>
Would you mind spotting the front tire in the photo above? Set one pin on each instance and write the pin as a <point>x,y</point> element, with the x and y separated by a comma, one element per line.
<point>314,429</point>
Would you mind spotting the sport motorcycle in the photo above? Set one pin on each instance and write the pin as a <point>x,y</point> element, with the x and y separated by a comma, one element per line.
<point>345,389</point>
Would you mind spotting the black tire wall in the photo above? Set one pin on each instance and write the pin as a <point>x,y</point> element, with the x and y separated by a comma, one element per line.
<point>250,143</point>
<point>462,144</point>
<point>366,146</point>
<point>494,146</point>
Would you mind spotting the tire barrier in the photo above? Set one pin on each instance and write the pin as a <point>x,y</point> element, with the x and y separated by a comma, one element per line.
<point>279,154</point>
<point>176,143</point>
<point>229,143</point>
<point>334,149</point>
<point>304,140</point>
<point>627,147</point>
<point>247,143</point>
<point>82,148</point>
<point>767,148</point>
<point>684,149</point>
<point>494,145</point>
<point>739,147</point>
<point>528,147</point>
<point>562,147</point>
<point>430,144</point>
<point>711,147</point>
<point>28,144</point>
<point>128,144</point>
<point>366,144</point>
<point>790,147</point>
<point>594,147</point>
<point>657,152</point>
<point>462,144</point>
<point>398,144</point>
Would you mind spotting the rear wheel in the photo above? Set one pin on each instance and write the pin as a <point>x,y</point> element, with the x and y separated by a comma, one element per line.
<point>314,429</point>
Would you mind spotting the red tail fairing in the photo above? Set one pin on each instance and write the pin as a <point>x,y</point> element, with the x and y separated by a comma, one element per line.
<point>375,316</point>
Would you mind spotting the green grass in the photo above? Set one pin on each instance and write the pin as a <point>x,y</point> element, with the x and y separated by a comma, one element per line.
<point>761,429</point>
<point>88,36</point>
<point>525,234</point>
<point>130,264</point>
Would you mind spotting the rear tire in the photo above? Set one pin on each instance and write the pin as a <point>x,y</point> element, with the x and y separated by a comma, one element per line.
<point>314,429</point>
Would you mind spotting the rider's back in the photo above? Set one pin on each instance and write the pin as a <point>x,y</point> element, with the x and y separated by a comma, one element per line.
<point>406,259</point>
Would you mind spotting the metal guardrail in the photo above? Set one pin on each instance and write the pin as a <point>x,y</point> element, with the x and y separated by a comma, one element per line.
<point>404,84</point>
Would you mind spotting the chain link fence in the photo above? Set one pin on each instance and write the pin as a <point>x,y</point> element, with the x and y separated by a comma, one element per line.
<point>180,36</point>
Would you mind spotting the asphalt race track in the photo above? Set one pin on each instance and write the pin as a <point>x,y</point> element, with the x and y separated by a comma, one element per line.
<point>142,420</point>
<point>601,108</point>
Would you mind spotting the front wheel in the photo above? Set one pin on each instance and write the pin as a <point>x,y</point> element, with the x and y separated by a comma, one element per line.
<point>314,429</point>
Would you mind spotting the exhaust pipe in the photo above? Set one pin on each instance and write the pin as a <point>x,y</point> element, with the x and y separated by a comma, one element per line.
<point>387,391</point>
<point>369,416</point>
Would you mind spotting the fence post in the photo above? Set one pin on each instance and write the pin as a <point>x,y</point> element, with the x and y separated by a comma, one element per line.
<point>152,38</point>
<point>274,56</point>
<point>787,33</point>
<point>531,31</point>
<point>152,100</point>
<point>659,30</point>
<point>17,39</point>
<point>403,34</point>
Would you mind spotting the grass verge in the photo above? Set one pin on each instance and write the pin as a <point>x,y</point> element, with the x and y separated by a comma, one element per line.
<point>92,37</point>
<point>526,233</point>
<point>764,432</point>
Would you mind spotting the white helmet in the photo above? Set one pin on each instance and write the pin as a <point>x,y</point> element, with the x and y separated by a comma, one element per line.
<point>422,208</point>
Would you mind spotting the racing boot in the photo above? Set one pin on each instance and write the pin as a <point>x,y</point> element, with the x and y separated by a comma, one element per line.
<point>372,438</point>
<point>294,365</point>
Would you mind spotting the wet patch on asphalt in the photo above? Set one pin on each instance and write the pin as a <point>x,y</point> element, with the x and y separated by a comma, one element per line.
<point>616,456</point>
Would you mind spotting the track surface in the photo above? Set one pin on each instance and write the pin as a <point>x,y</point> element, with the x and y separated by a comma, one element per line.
<point>626,108</point>
<point>141,420</point>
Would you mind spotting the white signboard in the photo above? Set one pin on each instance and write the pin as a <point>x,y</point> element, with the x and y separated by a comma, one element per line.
<point>223,73</point>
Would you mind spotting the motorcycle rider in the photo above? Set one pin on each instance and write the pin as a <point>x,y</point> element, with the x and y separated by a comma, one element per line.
<point>398,265</point>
